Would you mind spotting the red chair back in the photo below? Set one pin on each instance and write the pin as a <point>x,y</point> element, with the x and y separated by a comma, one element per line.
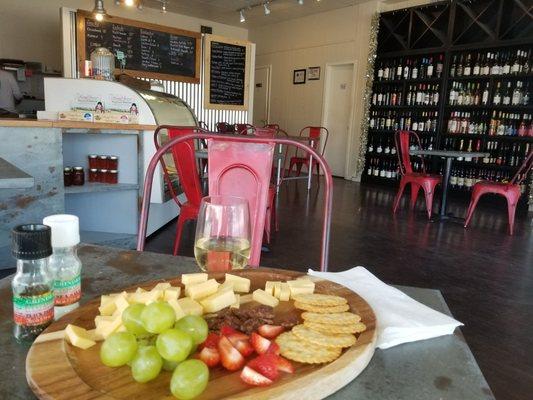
<point>272,126</point>
<point>402,140</point>
<point>319,133</point>
<point>243,170</point>
<point>224,127</point>
<point>226,174</point>
<point>265,132</point>
<point>244,129</point>
<point>524,169</point>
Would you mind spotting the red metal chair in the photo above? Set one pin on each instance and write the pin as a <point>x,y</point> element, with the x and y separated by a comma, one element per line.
<point>183,155</point>
<point>510,190</point>
<point>418,180</point>
<point>224,171</point>
<point>244,129</point>
<point>224,127</point>
<point>319,134</point>
<point>272,126</point>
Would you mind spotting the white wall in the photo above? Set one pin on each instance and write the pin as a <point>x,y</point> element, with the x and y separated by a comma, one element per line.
<point>30,29</point>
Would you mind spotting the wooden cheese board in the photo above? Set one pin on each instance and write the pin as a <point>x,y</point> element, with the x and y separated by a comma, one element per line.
<point>57,370</point>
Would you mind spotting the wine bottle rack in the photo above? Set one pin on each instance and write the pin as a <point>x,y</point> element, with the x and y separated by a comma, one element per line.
<point>448,31</point>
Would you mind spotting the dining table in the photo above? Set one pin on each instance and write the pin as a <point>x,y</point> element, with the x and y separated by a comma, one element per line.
<point>439,368</point>
<point>449,156</point>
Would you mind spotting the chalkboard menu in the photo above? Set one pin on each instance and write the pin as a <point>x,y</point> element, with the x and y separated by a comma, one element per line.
<point>227,73</point>
<point>149,50</point>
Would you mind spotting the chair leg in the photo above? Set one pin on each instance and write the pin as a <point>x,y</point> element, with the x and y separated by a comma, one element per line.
<point>268,222</point>
<point>511,210</point>
<point>177,239</point>
<point>428,193</point>
<point>398,196</point>
<point>471,208</point>
<point>414,195</point>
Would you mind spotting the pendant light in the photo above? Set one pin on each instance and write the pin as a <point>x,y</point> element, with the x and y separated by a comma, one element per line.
<point>99,10</point>
<point>242,18</point>
<point>301,2</point>
<point>267,8</point>
<point>164,6</point>
<point>129,3</point>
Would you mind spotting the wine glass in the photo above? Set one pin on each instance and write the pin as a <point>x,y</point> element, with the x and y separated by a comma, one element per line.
<point>222,240</point>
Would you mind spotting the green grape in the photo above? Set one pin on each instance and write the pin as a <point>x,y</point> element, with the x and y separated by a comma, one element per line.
<point>146,364</point>
<point>193,349</point>
<point>169,366</point>
<point>174,345</point>
<point>131,318</point>
<point>194,326</point>
<point>118,349</point>
<point>158,317</point>
<point>189,379</point>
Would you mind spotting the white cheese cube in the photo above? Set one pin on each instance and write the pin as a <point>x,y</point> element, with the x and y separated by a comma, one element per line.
<point>78,337</point>
<point>269,287</point>
<point>240,284</point>
<point>285,292</point>
<point>171,293</point>
<point>201,290</point>
<point>177,308</point>
<point>162,286</point>
<point>218,301</point>
<point>263,297</point>
<point>237,303</point>
<point>295,290</point>
<point>188,279</point>
<point>190,307</point>
<point>227,285</point>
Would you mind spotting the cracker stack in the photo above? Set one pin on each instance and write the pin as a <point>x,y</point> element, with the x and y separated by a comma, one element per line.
<point>328,328</point>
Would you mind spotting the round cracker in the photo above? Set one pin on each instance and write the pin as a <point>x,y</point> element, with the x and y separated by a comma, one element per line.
<point>301,351</point>
<point>323,339</point>
<point>331,329</point>
<point>318,299</point>
<point>343,318</point>
<point>321,310</point>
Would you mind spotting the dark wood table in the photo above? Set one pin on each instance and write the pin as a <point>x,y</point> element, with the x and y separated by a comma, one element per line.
<point>440,368</point>
<point>449,155</point>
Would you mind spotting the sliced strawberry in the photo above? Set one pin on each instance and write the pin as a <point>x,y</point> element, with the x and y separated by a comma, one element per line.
<point>265,365</point>
<point>259,343</point>
<point>281,363</point>
<point>229,332</point>
<point>254,378</point>
<point>244,346</point>
<point>270,331</point>
<point>211,341</point>
<point>273,348</point>
<point>231,359</point>
<point>210,356</point>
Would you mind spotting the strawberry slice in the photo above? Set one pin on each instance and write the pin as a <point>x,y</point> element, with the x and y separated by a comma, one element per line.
<point>273,348</point>
<point>281,363</point>
<point>211,341</point>
<point>265,365</point>
<point>254,378</point>
<point>244,346</point>
<point>259,343</point>
<point>210,356</point>
<point>270,331</point>
<point>231,359</point>
<point>228,331</point>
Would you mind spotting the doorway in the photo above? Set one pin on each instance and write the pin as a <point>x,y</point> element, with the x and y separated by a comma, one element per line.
<point>262,96</point>
<point>337,116</point>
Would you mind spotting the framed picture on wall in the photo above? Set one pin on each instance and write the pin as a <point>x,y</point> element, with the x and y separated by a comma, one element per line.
<point>313,74</point>
<point>298,76</point>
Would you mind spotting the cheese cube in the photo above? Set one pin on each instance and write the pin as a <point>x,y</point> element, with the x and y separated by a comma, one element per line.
<point>106,328</point>
<point>269,287</point>
<point>108,308</point>
<point>121,304</point>
<point>285,292</point>
<point>177,308</point>
<point>188,279</point>
<point>171,293</point>
<point>201,290</point>
<point>140,290</point>
<point>146,297</point>
<point>246,298</point>
<point>240,284</point>
<point>78,337</point>
<point>295,290</point>
<point>190,307</point>
<point>277,290</point>
<point>263,297</point>
<point>227,285</point>
<point>103,318</point>
<point>218,301</point>
<point>162,286</point>
<point>91,333</point>
<point>105,299</point>
<point>237,303</point>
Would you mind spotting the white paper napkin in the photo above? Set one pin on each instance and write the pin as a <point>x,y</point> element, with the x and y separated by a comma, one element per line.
<point>400,319</point>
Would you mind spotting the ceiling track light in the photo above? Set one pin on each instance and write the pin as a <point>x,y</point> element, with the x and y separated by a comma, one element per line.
<point>164,6</point>
<point>99,10</point>
<point>267,8</point>
<point>242,18</point>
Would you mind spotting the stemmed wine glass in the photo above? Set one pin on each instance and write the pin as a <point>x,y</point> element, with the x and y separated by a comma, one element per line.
<point>222,240</point>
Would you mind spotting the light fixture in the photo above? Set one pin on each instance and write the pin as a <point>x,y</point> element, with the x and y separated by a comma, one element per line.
<point>164,6</point>
<point>129,3</point>
<point>242,18</point>
<point>99,10</point>
<point>301,2</point>
<point>267,9</point>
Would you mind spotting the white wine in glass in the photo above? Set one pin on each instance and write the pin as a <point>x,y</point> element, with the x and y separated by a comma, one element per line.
<point>222,234</point>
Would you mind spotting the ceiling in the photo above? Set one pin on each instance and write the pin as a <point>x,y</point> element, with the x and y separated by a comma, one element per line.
<point>227,11</point>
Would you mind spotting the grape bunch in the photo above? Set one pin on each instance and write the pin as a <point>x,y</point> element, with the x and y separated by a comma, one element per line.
<point>153,341</point>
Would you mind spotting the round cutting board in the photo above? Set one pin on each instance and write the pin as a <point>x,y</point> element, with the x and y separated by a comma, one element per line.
<point>57,370</point>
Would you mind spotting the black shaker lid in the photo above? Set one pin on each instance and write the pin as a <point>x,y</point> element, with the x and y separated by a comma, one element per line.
<point>31,241</point>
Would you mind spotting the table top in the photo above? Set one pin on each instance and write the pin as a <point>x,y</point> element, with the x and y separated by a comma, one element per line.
<point>449,153</point>
<point>431,369</point>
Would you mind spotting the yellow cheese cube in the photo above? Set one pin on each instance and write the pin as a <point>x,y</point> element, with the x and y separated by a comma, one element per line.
<point>146,297</point>
<point>91,333</point>
<point>121,304</point>
<point>190,307</point>
<point>140,290</point>
<point>106,328</point>
<point>162,286</point>
<point>108,308</point>
<point>78,337</point>
<point>171,293</point>
<point>237,303</point>
<point>177,308</point>
<point>285,292</point>
<point>277,290</point>
<point>263,297</point>
<point>240,284</point>
<point>218,301</point>
<point>188,279</point>
<point>246,298</point>
<point>227,285</point>
<point>201,290</point>
<point>103,318</point>
<point>105,299</point>
<point>295,290</point>
<point>269,287</point>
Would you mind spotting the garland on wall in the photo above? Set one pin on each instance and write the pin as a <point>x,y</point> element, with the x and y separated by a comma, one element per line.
<point>369,79</point>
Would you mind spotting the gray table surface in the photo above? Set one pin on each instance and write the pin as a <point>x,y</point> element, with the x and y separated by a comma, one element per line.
<point>440,368</point>
<point>449,153</point>
<point>12,177</point>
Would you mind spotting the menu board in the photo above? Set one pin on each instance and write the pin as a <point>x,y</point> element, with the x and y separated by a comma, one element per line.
<point>149,50</point>
<point>227,73</point>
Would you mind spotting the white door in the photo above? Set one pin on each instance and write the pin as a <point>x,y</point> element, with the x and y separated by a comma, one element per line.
<point>337,116</point>
<point>261,95</point>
